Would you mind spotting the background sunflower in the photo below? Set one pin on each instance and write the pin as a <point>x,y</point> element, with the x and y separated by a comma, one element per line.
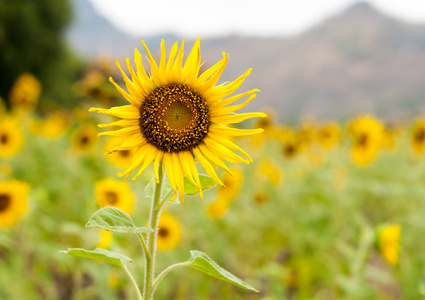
<point>13,201</point>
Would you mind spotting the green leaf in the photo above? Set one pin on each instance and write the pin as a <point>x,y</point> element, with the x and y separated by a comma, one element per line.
<point>206,184</point>
<point>202,262</point>
<point>100,254</point>
<point>150,188</point>
<point>113,219</point>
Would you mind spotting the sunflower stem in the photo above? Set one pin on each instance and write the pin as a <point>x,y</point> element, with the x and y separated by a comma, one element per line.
<point>155,213</point>
<point>164,199</point>
<point>133,281</point>
<point>166,271</point>
<point>143,244</point>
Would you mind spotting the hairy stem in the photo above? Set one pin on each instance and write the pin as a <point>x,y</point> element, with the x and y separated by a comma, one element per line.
<point>155,213</point>
<point>133,281</point>
<point>166,271</point>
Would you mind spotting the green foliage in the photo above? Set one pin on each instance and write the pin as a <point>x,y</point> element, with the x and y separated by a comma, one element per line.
<point>102,255</point>
<point>202,262</point>
<point>113,219</point>
<point>32,40</point>
<point>150,188</point>
<point>206,184</point>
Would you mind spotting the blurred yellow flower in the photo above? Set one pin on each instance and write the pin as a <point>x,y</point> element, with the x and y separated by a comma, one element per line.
<point>13,201</point>
<point>418,137</point>
<point>168,232</point>
<point>272,173</point>
<point>11,136</point>
<point>306,131</point>
<point>226,193</point>
<point>51,127</point>
<point>105,239</point>
<point>119,158</point>
<point>389,243</point>
<point>24,93</point>
<point>110,192</point>
<point>367,134</point>
<point>261,197</point>
<point>292,145</point>
<point>268,125</point>
<point>218,209</point>
<point>232,184</point>
<point>328,135</point>
<point>84,138</point>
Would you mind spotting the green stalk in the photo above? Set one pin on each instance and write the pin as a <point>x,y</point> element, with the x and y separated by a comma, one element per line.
<point>155,212</point>
<point>166,271</point>
<point>133,281</point>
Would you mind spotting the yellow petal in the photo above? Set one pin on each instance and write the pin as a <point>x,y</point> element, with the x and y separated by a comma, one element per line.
<point>237,118</point>
<point>228,144</point>
<point>178,175</point>
<point>223,152</point>
<point>125,111</point>
<point>227,131</point>
<point>207,166</point>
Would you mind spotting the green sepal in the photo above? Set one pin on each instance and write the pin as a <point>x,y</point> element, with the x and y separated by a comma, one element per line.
<point>113,219</point>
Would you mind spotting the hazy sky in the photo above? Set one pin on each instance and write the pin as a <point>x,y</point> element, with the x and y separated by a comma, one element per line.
<point>193,18</point>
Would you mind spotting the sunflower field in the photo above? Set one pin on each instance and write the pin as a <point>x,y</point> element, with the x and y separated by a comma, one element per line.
<point>313,210</point>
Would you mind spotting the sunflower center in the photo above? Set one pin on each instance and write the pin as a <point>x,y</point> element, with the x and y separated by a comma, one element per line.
<point>289,150</point>
<point>124,153</point>
<point>174,118</point>
<point>84,140</point>
<point>363,140</point>
<point>163,232</point>
<point>420,135</point>
<point>4,201</point>
<point>112,198</point>
<point>326,134</point>
<point>4,139</point>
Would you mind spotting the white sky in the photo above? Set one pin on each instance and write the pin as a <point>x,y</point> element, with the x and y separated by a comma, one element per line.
<point>193,18</point>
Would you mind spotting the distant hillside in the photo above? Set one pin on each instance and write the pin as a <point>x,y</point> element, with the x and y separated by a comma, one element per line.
<point>93,35</point>
<point>355,62</point>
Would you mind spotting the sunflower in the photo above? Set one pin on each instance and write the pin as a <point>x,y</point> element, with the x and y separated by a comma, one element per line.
<point>271,172</point>
<point>121,158</point>
<point>292,145</point>
<point>177,115</point>
<point>218,209</point>
<point>13,201</point>
<point>418,137</point>
<point>24,94</point>
<point>51,127</point>
<point>367,136</point>
<point>168,232</point>
<point>105,239</point>
<point>110,192</point>
<point>328,135</point>
<point>261,197</point>
<point>11,137</point>
<point>389,243</point>
<point>232,184</point>
<point>84,138</point>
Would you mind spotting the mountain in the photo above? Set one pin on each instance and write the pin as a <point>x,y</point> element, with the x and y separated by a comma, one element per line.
<point>359,61</point>
<point>92,35</point>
